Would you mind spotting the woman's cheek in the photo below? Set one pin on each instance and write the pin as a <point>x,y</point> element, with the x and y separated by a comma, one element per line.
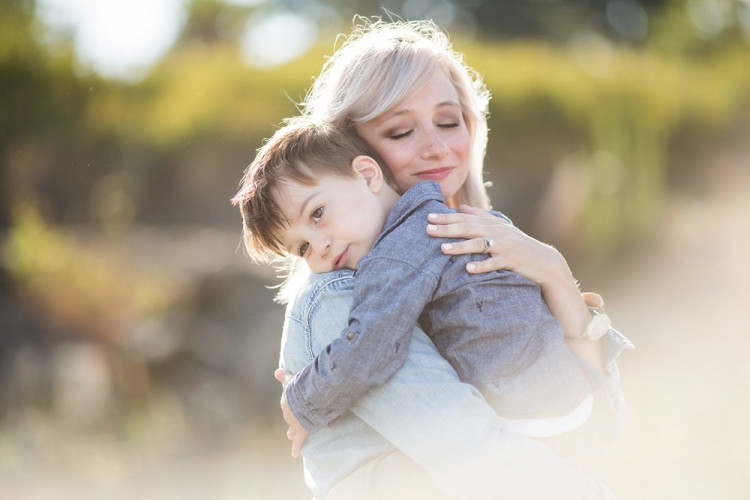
<point>399,172</point>
<point>404,182</point>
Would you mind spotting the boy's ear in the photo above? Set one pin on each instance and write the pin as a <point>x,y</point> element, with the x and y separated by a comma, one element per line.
<point>368,168</point>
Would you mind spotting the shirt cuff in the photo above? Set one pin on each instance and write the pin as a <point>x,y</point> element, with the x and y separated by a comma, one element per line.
<point>299,408</point>
<point>613,343</point>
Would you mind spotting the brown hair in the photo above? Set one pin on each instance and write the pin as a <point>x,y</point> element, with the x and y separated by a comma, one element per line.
<point>300,151</point>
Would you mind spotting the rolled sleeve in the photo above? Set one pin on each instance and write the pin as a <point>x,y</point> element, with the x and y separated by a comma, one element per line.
<point>606,388</point>
<point>613,344</point>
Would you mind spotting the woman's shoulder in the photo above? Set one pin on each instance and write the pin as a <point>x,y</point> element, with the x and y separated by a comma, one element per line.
<point>320,290</point>
<point>318,285</point>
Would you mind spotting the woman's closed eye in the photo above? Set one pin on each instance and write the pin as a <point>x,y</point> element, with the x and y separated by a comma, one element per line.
<point>400,135</point>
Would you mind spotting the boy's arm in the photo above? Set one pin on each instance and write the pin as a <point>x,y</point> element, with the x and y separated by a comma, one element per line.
<point>369,350</point>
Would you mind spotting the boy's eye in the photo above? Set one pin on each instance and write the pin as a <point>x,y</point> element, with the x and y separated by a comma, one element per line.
<point>448,125</point>
<point>400,135</point>
<point>317,214</point>
<point>303,249</point>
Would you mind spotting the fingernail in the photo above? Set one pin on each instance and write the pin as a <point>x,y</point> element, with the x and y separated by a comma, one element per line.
<point>447,246</point>
<point>432,216</point>
<point>431,227</point>
<point>470,267</point>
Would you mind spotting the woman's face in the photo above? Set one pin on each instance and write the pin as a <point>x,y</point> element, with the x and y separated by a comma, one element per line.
<point>424,137</point>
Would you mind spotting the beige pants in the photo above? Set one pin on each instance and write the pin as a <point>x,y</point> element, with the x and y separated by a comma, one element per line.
<point>387,477</point>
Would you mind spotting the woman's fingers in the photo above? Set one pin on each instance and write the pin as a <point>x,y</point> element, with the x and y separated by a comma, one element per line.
<point>511,248</point>
<point>468,209</point>
<point>466,229</point>
<point>474,245</point>
<point>486,265</point>
<point>449,230</point>
<point>466,225</point>
<point>457,217</point>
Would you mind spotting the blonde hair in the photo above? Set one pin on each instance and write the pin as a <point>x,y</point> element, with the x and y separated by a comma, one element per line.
<point>380,64</point>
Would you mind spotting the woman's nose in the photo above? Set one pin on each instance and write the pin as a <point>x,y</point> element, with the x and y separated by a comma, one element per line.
<point>435,145</point>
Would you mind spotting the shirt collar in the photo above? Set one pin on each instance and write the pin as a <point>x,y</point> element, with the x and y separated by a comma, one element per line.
<point>409,201</point>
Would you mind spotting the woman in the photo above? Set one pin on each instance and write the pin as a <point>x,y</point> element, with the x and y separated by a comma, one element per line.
<point>409,95</point>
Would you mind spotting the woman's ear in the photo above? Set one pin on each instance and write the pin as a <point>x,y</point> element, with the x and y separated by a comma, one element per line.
<point>368,168</point>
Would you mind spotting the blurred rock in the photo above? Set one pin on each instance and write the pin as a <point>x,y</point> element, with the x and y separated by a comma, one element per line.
<point>83,385</point>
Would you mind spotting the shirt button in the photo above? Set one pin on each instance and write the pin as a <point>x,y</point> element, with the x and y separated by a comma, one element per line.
<point>350,335</point>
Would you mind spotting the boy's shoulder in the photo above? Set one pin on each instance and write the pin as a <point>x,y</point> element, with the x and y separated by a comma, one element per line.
<point>404,237</point>
<point>411,208</point>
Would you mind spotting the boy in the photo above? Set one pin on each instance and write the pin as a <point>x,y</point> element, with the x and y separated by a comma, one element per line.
<point>319,193</point>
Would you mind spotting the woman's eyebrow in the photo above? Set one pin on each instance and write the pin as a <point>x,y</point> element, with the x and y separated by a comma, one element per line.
<point>392,114</point>
<point>450,103</point>
<point>388,115</point>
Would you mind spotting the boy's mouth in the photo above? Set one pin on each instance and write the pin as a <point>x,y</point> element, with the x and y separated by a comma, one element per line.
<point>340,260</point>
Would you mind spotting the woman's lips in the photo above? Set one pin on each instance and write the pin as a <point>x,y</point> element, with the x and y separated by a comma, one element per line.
<point>340,261</point>
<point>435,174</point>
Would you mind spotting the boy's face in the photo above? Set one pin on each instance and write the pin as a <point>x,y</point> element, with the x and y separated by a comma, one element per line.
<point>333,223</point>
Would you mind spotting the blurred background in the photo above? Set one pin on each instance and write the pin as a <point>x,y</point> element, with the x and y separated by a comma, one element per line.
<point>138,343</point>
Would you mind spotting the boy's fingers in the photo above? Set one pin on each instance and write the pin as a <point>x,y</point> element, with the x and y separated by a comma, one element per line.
<point>282,376</point>
<point>297,442</point>
<point>286,412</point>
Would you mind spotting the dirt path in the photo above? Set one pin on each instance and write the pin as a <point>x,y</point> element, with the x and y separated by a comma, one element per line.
<point>686,305</point>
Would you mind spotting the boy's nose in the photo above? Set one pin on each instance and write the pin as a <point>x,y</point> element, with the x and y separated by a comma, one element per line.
<point>320,254</point>
<point>322,245</point>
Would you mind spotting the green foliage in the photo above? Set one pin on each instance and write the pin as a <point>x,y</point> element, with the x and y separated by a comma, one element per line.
<point>598,100</point>
<point>75,286</point>
<point>172,147</point>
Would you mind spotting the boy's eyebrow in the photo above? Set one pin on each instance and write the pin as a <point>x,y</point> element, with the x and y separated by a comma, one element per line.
<point>302,210</point>
<point>303,207</point>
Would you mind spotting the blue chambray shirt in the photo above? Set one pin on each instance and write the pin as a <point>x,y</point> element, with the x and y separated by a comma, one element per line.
<point>494,328</point>
<point>423,410</point>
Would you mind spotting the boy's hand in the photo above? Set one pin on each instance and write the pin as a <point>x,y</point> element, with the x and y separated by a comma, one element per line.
<point>296,433</point>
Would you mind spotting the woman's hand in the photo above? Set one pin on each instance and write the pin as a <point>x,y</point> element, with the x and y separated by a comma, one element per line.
<point>514,250</point>
<point>296,433</point>
<point>511,249</point>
